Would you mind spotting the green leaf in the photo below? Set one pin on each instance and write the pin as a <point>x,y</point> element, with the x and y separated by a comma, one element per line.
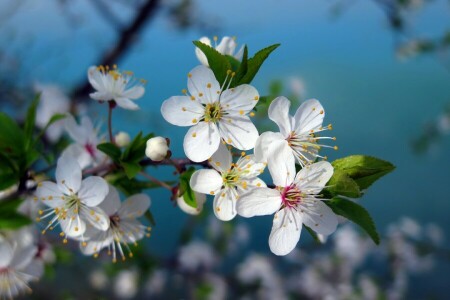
<point>364,170</point>
<point>185,188</point>
<point>31,120</point>
<point>242,68</point>
<point>136,150</point>
<point>149,216</point>
<point>131,168</point>
<point>13,221</point>
<point>341,184</point>
<point>255,63</point>
<point>218,63</point>
<point>111,150</point>
<point>355,213</point>
<point>313,234</point>
<point>12,138</point>
<point>8,179</point>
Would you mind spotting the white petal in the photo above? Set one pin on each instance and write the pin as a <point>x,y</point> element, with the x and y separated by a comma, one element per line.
<point>78,152</point>
<point>135,206</point>
<point>111,204</point>
<point>93,190</point>
<point>51,192</point>
<point>251,167</point>
<point>23,257</point>
<point>279,113</point>
<point>134,92</point>
<point>241,99</point>
<point>126,103</point>
<point>75,131</point>
<point>199,198</point>
<point>35,269</point>
<point>95,78</point>
<point>309,116</point>
<point>101,96</point>
<point>221,159</point>
<point>240,53</point>
<point>95,244</point>
<point>226,46</point>
<point>96,217</point>
<point>73,228</point>
<point>319,217</point>
<point>6,254</point>
<point>238,131</point>
<point>225,204</point>
<point>281,163</point>
<point>68,175</point>
<point>199,53</point>
<point>182,111</point>
<point>206,181</point>
<point>285,234</point>
<point>259,202</point>
<point>201,141</point>
<point>201,81</point>
<point>263,143</point>
<point>313,178</point>
<point>133,230</point>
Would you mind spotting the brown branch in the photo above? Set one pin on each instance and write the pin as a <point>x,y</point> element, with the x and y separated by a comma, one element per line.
<point>126,38</point>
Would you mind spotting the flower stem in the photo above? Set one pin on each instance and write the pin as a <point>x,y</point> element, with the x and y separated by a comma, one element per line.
<point>157,181</point>
<point>111,105</point>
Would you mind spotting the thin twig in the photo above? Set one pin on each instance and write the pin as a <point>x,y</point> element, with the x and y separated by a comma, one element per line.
<point>157,181</point>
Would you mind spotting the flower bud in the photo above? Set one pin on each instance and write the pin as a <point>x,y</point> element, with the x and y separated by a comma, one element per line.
<point>122,139</point>
<point>200,199</point>
<point>157,148</point>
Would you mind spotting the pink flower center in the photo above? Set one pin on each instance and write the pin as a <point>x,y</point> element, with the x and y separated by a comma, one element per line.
<point>291,196</point>
<point>90,149</point>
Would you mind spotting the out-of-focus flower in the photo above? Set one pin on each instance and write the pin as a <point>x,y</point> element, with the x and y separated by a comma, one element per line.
<point>72,201</point>
<point>200,199</point>
<point>214,112</point>
<point>196,255</point>
<point>297,86</point>
<point>294,200</point>
<point>434,233</point>
<point>86,139</point>
<point>350,246</point>
<point>218,287</point>
<point>226,46</point>
<point>115,85</point>
<point>98,279</point>
<point>157,148</point>
<point>227,181</point>
<point>53,101</point>
<point>123,228</point>
<point>410,227</point>
<point>126,284</point>
<point>156,283</point>
<point>122,139</point>
<point>298,133</point>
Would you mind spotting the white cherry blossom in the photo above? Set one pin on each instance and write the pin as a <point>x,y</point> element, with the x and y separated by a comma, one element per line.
<point>227,181</point>
<point>115,85</point>
<point>73,202</point>
<point>214,112</point>
<point>124,227</point>
<point>226,46</point>
<point>295,200</point>
<point>199,198</point>
<point>299,132</point>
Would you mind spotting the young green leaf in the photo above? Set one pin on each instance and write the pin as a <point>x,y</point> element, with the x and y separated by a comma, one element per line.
<point>12,138</point>
<point>131,168</point>
<point>31,120</point>
<point>355,213</point>
<point>218,63</point>
<point>185,188</point>
<point>341,184</point>
<point>243,67</point>
<point>13,221</point>
<point>364,170</point>
<point>111,150</point>
<point>255,63</point>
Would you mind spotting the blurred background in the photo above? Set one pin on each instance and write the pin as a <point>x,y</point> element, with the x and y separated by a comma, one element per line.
<point>381,69</point>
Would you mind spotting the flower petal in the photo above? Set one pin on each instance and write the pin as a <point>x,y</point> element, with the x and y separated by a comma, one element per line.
<point>133,230</point>
<point>93,190</point>
<point>199,53</point>
<point>320,218</point>
<point>50,194</point>
<point>263,143</point>
<point>286,229</point>
<point>95,78</point>
<point>221,159</point>
<point>202,85</point>
<point>73,228</point>
<point>238,131</point>
<point>309,116</point>
<point>259,202</point>
<point>97,242</point>
<point>200,199</point>
<point>281,163</point>
<point>182,111</point>
<point>279,113</point>
<point>7,254</point>
<point>225,204</point>
<point>201,141</point>
<point>75,131</point>
<point>134,92</point>
<point>240,100</point>
<point>68,175</point>
<point>313,178</point>
<point>135,206</point>
<point>206,181</point>
<point>23,256</point>
<point>226,46</point>
<point>250,166</point>
<point>78,152</point>
<point>111,204</point>
<point>126,103</point>
<point>96,217</point>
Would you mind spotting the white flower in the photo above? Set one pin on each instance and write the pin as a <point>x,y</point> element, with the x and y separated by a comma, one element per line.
<point>299,132</point>
<point>157,148</point>
<point>227,181</point>
<point>226,46</point>
<point>199,198</point>
<point>73,202</point>
<point>114,85</point>
<point>126,284</point>
<point>122,139</point>
<point>124,228</point>
<point>214,112</point>
<point>86,140</point>
<point>52,101</point>
<point>295,200</point>
<point>18,263</point>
